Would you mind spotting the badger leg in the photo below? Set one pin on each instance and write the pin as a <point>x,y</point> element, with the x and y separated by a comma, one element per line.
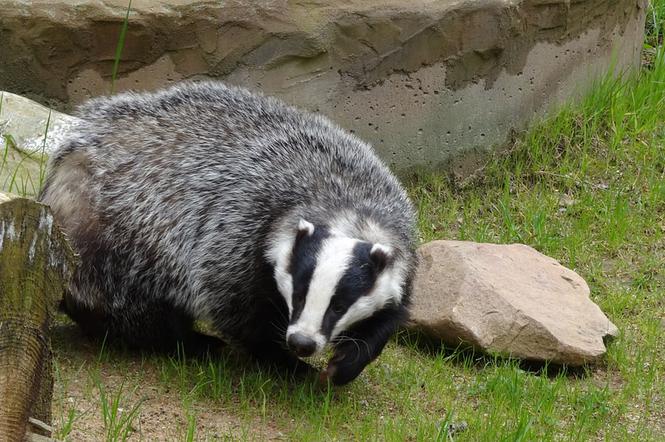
<point>362,344</point>
<point>274,355</point>
<point>263,335</point>
<point>155,326</point>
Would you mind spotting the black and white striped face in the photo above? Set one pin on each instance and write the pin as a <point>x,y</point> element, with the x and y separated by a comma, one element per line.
<point>329,283</point>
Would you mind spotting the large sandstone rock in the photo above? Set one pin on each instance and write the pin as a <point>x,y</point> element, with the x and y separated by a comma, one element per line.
<point>422,80</point>
<point>508,299</point>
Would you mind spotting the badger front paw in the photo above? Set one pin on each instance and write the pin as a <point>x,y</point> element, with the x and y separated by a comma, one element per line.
<point>347,363</point>
<point>361,345</point>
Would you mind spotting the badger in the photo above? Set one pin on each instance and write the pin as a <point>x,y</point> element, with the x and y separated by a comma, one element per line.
<point>205,201</point>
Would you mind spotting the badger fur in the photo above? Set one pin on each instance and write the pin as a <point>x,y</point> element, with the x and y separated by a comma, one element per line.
<point>205,201</point>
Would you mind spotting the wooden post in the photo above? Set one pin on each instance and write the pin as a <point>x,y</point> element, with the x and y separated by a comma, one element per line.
<point>36,264</point>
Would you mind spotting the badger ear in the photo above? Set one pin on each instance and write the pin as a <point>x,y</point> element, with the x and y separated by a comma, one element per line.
<point>380,256</point>
<point>305,228</point>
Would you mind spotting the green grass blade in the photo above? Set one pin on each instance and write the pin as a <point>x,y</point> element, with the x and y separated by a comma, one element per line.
<point>42,158</point>
<point>120,46</point>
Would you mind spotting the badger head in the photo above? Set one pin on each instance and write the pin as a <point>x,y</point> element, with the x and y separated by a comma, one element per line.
<point>332,282</point>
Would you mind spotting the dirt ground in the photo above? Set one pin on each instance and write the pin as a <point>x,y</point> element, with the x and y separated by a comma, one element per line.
<point>163,411</point>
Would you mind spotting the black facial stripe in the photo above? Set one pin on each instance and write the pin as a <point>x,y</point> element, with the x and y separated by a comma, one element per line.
<point>302,265</point>
<point>358,279</point>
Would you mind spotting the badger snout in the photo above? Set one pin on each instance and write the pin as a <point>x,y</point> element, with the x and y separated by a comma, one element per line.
<point>301,345</point>
<point>304,342</point>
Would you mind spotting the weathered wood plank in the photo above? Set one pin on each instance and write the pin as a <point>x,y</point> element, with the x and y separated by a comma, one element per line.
<point>36,264</point>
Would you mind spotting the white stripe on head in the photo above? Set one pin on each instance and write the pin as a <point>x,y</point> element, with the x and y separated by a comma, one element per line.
<point>279,254</point>
<point>332,261</point>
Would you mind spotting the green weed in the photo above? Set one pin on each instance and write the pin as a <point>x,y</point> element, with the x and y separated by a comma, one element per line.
<point>118,421</point>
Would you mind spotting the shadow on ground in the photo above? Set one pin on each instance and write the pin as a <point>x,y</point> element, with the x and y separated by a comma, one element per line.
<point>469,357</point>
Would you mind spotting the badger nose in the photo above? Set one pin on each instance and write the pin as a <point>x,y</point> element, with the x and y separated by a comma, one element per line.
<point>301,345</point>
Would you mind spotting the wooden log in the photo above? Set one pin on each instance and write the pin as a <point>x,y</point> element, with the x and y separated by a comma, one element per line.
<point>36,264</point>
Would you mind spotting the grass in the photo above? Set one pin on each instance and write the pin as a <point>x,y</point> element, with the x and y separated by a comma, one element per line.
<point>586,186</point>
<point>117,421</point>
<point>655,24</point>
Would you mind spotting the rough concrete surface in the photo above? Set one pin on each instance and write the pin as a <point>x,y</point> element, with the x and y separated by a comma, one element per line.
<point>508,299</point>
<point>420,79</point>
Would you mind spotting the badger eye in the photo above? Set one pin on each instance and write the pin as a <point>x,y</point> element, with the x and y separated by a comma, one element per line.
<point>337,307</point>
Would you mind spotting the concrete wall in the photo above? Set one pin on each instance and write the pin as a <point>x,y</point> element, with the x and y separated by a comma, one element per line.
<point>429,83</point>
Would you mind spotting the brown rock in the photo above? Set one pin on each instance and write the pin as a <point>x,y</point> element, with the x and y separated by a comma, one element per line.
<point>509,299</point>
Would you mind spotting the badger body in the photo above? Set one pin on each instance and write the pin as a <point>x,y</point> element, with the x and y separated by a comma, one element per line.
<point>205,201</point>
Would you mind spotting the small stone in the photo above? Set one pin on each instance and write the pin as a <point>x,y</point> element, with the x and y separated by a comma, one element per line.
<point>457,427</point>
<point>508,299</point>
<point>566,200</point>
<point>454,427</point>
